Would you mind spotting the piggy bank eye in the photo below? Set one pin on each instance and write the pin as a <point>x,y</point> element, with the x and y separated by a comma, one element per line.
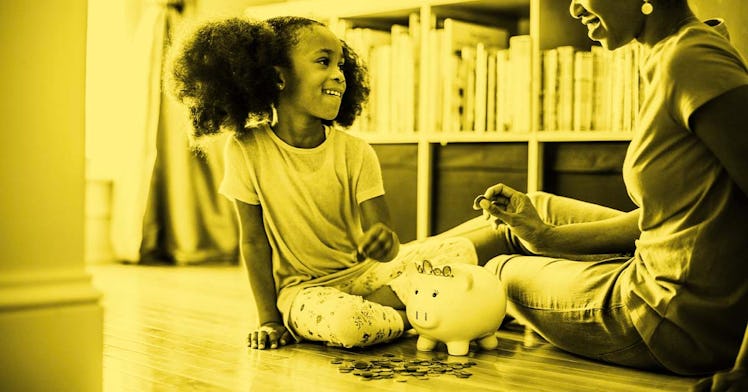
<point>416,292</point>
<point>434,294</point>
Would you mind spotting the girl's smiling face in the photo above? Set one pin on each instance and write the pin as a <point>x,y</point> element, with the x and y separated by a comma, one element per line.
<point>315,84</point>
<point>613,23</point>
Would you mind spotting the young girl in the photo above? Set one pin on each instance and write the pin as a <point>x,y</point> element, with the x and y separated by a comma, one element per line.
<point>310,200</point>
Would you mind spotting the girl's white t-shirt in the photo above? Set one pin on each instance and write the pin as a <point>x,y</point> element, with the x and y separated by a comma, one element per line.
<point>310,203</point>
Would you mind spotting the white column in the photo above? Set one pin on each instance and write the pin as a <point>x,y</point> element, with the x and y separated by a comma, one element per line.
<point>50,317</point>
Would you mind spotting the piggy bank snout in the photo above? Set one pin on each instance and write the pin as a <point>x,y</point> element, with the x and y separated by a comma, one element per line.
<point>423,319</point>
<point>422,308</point>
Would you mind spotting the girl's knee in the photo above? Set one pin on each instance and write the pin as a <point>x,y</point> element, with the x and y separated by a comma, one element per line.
<point>342,319</point>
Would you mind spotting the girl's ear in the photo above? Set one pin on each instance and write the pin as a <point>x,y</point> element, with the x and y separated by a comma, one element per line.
<point>281,77</point>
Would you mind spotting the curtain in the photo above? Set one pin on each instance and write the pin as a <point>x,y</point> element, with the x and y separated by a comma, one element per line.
<point>169,210</point>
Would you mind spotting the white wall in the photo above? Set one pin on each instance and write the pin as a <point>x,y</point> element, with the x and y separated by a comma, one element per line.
<point>50,319</point>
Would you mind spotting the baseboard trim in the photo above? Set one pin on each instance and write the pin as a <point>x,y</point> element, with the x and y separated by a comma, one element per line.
<point>37,289</point>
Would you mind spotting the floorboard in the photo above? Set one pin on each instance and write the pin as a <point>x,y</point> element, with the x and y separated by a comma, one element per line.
<point>184,329</point>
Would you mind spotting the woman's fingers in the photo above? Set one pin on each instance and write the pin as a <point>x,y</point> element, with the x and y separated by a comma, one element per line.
<point>494,209</point>
<point>500,190</point>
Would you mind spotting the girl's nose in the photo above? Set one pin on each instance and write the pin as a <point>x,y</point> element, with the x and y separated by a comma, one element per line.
<point>339,76</point>
<point>575,9</point>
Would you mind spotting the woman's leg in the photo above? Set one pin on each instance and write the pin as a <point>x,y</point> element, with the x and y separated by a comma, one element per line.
<point>575,305</point>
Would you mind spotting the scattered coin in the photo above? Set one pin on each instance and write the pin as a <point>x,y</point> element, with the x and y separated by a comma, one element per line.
<point>390,366</point>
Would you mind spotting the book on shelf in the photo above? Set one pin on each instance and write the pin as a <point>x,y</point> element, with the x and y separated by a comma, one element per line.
<point>627,87</point>
<point>565,98</point>
<point>402,82</point>
<point>490,91</point>
<point>582,91</point>
<point>520,83</point>
<point>601,87</point>
<point>481,88</point>
<point>433,93</point>
<point>381,93</point>
<point>618,90</point>
<point>549,91</point>
<point>503,100</point>
<point>590,90</point>
<point>367,44</point>
<point>466,86</point>
<point>392,59</point>
<point>459,48</point>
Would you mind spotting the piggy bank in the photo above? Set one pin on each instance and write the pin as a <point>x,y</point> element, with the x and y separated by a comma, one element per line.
<point>454,304</point>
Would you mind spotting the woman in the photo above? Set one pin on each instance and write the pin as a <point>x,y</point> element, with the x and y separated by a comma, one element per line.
<point>681,302</point>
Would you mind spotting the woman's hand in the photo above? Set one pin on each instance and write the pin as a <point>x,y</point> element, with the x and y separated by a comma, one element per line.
<point>733,380</point>
<point>514,209</point>
<point>269,335</point>
<point>379,243</point>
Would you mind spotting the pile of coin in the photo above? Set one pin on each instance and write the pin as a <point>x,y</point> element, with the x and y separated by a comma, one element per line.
<point>392,367</point>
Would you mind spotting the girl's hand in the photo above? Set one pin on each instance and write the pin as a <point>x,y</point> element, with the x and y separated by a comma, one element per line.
<point>269,335</point>
<point>379,243</point>
<point>514,209</point>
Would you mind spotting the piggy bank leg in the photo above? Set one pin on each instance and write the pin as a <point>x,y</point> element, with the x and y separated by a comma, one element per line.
<point>425,344</point>
<point>458,348</point>
<point>489,342</point>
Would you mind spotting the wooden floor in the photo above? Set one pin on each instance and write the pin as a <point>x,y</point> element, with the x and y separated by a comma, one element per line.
<point>184,329</point>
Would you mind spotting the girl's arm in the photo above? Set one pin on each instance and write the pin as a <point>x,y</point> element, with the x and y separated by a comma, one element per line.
<point>257,258</point>
<point>722,124</point>
<point>379,242</point>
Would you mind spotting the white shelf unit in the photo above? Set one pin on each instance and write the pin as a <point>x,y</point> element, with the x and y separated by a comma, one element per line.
<point>550,26</point>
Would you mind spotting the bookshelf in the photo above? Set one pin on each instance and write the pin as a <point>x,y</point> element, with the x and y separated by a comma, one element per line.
<point>537,25</point>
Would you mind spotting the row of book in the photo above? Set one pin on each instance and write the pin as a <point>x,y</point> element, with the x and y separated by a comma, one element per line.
<point>590,90</point>
<point>479,78</point>
<point>392,59</point>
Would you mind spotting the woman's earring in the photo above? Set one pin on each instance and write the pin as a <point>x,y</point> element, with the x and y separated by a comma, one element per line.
<point>647,7</point>
<point>273,115</point>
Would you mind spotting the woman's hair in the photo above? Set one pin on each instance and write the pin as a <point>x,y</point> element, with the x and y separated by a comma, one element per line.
<point>224,72</point>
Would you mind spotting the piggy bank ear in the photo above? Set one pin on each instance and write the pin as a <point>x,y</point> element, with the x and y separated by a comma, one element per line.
<point>464,280</point>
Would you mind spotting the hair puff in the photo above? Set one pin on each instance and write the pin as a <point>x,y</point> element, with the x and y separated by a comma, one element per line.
<point>224,72</point>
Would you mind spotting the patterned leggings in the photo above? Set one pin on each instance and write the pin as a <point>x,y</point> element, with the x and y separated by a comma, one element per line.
<point>340,316</point>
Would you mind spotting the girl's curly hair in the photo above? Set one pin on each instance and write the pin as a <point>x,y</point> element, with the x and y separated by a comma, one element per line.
<point>224,72</point>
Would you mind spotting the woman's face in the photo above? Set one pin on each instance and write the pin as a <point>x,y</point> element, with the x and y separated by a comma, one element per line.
<point>315,84</point>
<point>613,23</point>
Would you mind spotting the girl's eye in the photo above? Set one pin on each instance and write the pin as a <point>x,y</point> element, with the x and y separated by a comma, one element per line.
<point>341,66</point>
<point>324,61</point>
